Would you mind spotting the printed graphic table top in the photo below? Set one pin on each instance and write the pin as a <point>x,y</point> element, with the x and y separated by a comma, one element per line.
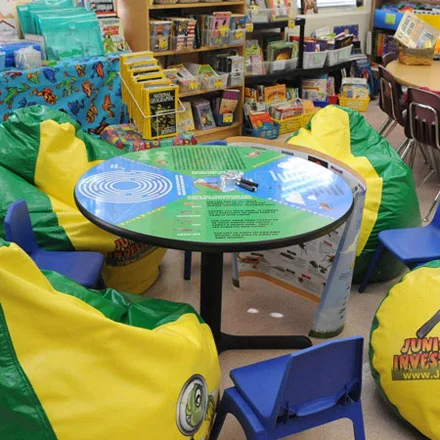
<point>174,197</point>
<point>416,76</point>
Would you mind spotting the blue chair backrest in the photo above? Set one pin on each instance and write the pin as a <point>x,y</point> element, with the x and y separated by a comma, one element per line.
<point>318,377</point>
<point>18,227</point>
<point>436,218</point>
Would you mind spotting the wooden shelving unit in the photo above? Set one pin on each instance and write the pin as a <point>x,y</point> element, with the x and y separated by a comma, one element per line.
<point>136,15</point>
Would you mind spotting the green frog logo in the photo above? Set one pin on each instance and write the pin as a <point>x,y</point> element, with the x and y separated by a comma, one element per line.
<point>193,406</point>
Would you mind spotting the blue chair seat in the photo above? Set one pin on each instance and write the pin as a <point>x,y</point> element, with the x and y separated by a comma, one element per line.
<point>82,267</point>
<point>412,245</point>
<point>268,375</point>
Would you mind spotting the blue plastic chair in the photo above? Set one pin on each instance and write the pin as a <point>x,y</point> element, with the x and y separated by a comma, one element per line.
<point>413,246</point>
<point>83,267</point>
<point>289,394</point>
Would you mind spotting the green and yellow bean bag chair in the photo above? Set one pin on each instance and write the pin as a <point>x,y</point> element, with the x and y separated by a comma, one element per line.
<point>77,363</point>
<point>43,152</point>
<point>391,200</point>
<point>405,348</point>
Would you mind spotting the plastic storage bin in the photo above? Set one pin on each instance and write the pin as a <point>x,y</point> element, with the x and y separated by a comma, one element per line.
<point>361,105</point>
<point>283,65</point>
<point>314,60</point>
<point>214,82</point>
<point>338,56</point>
<point>292,124</point>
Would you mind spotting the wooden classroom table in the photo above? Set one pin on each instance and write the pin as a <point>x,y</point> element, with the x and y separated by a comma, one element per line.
<point>416,76</point>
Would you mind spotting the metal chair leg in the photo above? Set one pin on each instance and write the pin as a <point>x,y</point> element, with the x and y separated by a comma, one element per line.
<point>425,155</point>
<point>385,125</point>
<point>407,148</point>
<point>403,145</point>
<point>426,219</point>
<point>412,156</point>
<point>387,132</point>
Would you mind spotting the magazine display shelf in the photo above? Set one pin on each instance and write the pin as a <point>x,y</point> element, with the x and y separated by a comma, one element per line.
<point>136,16</point>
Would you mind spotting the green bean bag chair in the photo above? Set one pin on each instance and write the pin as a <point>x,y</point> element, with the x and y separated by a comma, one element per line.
<point>77,363</point>
<point>405,350</point>
<point>43,152</point>
<point>391,200</point>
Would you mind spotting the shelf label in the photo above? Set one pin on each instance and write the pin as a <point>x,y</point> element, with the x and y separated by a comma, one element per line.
<point>228,118</point>
<point>390,18</point>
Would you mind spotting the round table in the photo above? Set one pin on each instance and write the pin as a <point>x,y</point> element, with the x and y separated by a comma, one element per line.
<point>416,76</point>
<point>174,198</point>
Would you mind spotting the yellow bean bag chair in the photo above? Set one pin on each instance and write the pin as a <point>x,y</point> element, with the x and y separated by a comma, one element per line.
<point>43,153</point>
<point>391,199</point>
<point>99,365</point>
<point>405,348</point>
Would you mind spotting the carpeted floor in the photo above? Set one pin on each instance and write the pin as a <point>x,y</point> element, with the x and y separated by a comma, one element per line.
<point>381,423</point>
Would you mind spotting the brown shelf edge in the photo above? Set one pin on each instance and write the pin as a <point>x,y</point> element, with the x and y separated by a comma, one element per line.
<point>200,49</point>
<point>195,5</point>
<point>202,92</point>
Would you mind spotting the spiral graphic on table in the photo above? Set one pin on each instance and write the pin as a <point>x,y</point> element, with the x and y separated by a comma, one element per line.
<point>125,187</point>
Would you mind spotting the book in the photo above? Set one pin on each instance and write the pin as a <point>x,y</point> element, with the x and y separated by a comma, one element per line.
<point>279,10</point>
<point>160,31</point>
<point>261,121</point>
<point>229,101</point>
<point>185,119</point>
<point>161,105</point>
<point>203,117</point>
<point>101,7</point>
<point>275,94</point>
<point>183,33</point>
<point>112,34</point>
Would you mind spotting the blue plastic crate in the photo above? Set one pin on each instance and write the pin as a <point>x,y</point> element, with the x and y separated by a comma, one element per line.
<point>263,134</point>
<point>385,19</point>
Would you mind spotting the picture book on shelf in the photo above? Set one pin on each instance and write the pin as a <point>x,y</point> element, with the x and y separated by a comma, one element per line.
<point>203,117</point>
<point>161,105</point>
<point>112,34</point>
<point>160,31</point>
<point>275,94</point>
<point>229,101</point>
<point>185,119</point>
<point>279,9</point>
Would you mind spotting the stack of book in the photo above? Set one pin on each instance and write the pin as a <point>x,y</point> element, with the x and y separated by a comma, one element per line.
<point>151,98</point>
<point>183,33</point>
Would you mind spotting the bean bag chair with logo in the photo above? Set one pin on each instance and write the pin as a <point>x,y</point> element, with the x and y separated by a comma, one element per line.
<point>405,348</point>
<point>77,363</point>
<point>43,153</point>
<point>391,199</point>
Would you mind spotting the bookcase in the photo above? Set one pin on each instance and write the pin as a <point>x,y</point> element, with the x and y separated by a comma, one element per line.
<point>136,16</point>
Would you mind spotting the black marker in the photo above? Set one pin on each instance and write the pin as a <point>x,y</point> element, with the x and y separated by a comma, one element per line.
<point>246,186</point>
<point>248,182</point>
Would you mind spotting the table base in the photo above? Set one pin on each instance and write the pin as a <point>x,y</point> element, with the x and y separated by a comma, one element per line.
<point>211,311</point>
<point>225,342</point>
